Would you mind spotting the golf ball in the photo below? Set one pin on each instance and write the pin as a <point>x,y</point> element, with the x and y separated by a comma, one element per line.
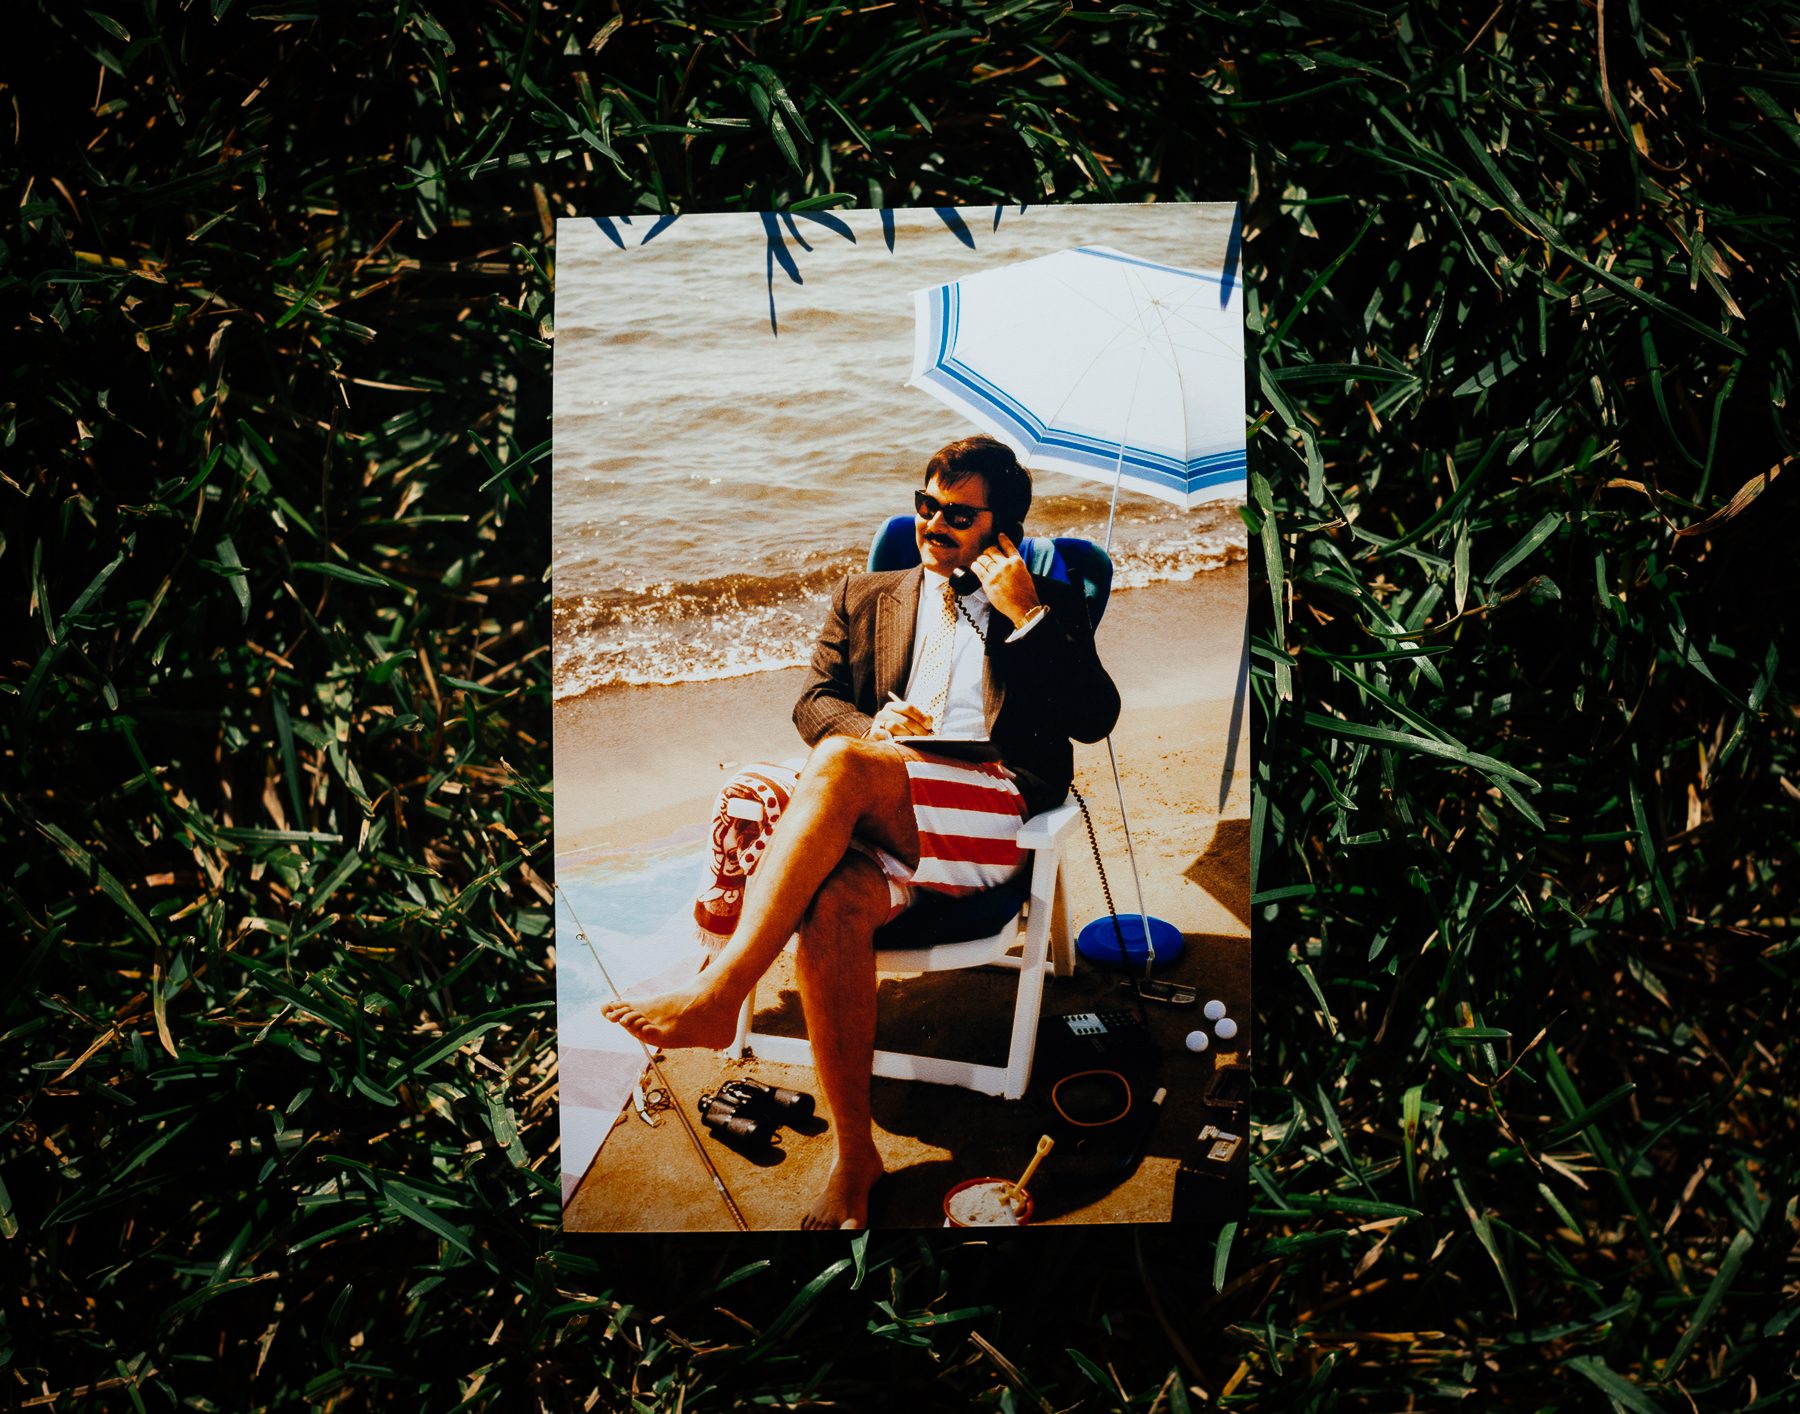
<point>1225,1028</point>
<point>1214,1009</point>
<point>1196,1041</point>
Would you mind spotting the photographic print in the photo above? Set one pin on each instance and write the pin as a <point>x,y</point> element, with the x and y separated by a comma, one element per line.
<point>901,767</point>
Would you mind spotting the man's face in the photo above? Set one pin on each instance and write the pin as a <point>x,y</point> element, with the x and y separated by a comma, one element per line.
<point>942,547</point>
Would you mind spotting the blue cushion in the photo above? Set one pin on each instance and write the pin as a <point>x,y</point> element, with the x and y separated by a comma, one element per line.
<point>894,546</point>
<point>1067,558</point>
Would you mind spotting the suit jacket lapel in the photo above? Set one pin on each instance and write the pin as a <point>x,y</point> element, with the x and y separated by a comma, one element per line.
<point>896,611</point>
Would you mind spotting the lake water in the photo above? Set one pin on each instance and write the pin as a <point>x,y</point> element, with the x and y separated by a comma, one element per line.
<point>714,477</point>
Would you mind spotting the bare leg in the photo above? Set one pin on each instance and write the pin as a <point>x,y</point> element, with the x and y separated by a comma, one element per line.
<point>835,964</point>
<point>849,787</point>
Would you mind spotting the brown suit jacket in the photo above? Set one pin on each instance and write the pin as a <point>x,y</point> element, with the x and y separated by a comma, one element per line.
<point>1038,692</point>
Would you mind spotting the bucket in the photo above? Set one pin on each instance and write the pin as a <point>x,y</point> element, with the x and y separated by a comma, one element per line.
<point>976,1209</point>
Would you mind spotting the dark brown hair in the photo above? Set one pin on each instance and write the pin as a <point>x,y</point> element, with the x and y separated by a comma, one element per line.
<point>1008,484</point>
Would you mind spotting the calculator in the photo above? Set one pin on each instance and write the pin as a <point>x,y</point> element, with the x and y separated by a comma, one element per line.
<point>1091,1037</point>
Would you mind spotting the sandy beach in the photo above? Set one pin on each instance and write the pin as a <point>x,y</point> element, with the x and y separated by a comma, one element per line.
<point>636,765</point>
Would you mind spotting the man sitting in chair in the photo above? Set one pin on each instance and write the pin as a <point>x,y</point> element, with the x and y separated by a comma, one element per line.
<point>872,819</point>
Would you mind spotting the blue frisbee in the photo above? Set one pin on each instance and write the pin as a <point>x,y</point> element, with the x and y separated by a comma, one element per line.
<point>1099,943</point>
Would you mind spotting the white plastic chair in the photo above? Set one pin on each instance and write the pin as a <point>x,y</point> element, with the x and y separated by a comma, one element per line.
<point>1040,933</point>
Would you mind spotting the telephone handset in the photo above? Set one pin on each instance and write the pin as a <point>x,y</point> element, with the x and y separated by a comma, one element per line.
<point>965,581</point>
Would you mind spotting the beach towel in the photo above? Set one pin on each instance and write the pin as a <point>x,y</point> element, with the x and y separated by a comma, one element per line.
<point>744,814</point>
<point>967,813</point>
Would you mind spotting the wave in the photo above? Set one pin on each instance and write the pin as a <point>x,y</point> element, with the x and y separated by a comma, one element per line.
<point>737,624</point>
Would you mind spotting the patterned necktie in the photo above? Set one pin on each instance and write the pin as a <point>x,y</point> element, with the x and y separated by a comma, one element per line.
<point>931,683</point>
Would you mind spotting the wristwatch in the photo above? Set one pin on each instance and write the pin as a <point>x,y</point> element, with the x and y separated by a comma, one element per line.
<point>1027,622</point>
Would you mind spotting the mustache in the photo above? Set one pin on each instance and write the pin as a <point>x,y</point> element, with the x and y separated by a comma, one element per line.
<point>943,540</point>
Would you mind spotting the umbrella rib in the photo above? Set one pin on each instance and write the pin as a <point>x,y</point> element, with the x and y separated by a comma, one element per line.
<point>1202,328</point>
<point>1176,314</point>
<point>1088,300</point>
<point>1125,327</point>
<point>1164,316</point>
<point>1180,384</point>
<point>1172,311</point>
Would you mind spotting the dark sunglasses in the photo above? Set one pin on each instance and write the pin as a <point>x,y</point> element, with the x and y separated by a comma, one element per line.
<point>957,517</point>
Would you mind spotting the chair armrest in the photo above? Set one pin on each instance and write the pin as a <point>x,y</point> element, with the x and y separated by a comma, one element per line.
<point>1045,830</point>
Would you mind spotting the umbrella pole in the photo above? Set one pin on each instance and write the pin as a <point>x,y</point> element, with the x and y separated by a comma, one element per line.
<point>1113,509</point>
<point>1137,883</point>
<point>1119,467</point>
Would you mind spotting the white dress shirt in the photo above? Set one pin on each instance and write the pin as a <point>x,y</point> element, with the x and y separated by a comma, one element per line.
<point>965,712</point>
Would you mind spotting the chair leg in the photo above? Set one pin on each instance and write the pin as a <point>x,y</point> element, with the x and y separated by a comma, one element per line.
<point>1045,946</point>
<point>1062,944</point>
<point>1028,1006</point>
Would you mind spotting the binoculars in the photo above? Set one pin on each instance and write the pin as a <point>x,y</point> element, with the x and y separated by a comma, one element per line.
<point>750,1112</point>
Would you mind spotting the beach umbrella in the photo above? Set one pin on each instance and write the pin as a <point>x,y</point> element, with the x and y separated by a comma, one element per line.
<point>1099,364</point>
<point>1105,366</point>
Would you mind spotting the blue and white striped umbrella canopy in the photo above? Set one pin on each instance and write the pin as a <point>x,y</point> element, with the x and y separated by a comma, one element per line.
<point>1099,364</point>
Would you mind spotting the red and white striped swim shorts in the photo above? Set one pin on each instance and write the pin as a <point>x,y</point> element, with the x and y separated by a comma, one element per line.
<point>968,815</point>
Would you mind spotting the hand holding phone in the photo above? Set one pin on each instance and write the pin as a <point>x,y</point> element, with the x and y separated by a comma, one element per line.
<point>1006,578</point>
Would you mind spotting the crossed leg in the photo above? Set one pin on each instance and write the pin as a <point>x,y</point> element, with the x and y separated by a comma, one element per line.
<point>835,967</point>
<point>850,788</point>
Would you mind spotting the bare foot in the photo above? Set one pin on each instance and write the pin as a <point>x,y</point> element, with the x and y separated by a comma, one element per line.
<point>694,1015</point>
<point>844,1201</point>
